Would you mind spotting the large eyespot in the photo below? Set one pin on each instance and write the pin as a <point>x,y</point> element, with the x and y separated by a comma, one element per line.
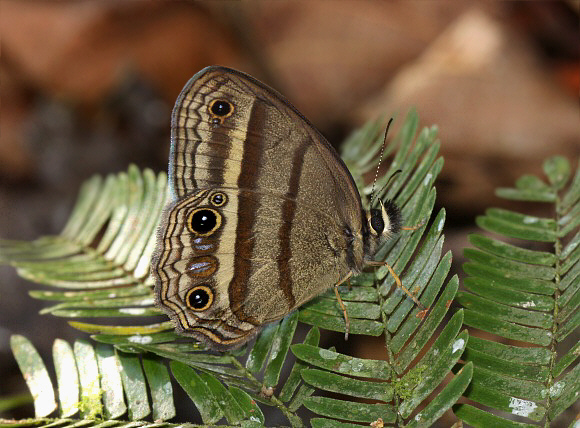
<point>376,221</point>
<point>221,108</point>
<point>199,298</point>
<point>204,221</point>
<point>218,199</point>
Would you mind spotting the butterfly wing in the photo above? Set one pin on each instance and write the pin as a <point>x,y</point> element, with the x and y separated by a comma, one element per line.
<point>262,143</point>
<point>287,231</point>
<point>220,282</point>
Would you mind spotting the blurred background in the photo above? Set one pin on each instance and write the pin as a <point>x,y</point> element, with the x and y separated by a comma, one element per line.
<point>88,87</point>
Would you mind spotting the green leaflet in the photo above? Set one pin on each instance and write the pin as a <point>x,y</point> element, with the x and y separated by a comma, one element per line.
<point>36,375</point>
<point>530,297</point>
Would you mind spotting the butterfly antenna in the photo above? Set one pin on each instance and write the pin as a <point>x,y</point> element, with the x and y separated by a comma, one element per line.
<point>388,181</point>
<point>380,160</point>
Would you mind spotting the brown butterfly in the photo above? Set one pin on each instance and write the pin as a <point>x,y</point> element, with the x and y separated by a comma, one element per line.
<point>263,214</point>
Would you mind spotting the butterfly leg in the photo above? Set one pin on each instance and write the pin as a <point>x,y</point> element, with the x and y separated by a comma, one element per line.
<point>424,310</point>
<point>417,226</point>
<point>341,303</point>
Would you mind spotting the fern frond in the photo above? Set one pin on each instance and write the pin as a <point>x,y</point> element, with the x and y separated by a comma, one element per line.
<point>102,260</point>
<point>378,308</point>
<point>528,299</point>
<point>93,381</point>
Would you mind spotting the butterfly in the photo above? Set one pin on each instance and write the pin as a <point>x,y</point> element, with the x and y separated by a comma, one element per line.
<point>263,215</point>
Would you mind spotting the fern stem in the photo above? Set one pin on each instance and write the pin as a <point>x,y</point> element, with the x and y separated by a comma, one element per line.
<point>294,419</point>
<point>558,253</point>
<point>390,356</point>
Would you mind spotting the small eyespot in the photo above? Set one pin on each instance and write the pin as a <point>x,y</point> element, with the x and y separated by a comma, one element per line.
<point>203,245</point>
<point>203,221</point>
<point>218,199</point>
<point>221,108</point>
<point>202,267</point>
<point>199,298</point>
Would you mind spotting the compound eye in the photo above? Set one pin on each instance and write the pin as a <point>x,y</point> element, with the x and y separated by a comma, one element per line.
<point>203,221</point>
<point>199,298</point>
<point>376,221</point>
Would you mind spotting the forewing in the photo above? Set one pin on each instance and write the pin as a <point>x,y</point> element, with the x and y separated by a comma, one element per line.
<point>264,144</point>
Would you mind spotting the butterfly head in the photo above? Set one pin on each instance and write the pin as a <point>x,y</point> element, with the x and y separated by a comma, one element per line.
<point>384,221</point>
